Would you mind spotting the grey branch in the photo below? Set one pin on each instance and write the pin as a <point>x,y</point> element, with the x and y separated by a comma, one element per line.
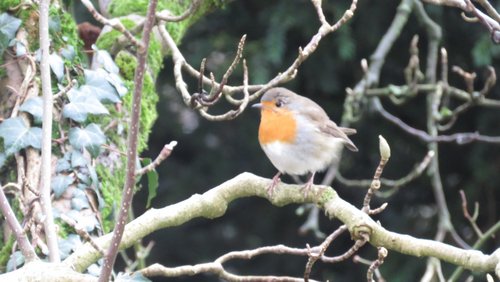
<point>214,203</point>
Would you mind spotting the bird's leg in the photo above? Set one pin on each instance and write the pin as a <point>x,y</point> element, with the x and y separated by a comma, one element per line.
<point>276,180</point>
<point>308,185</point>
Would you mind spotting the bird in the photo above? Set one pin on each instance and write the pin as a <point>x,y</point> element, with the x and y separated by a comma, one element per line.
<point>297,135</point>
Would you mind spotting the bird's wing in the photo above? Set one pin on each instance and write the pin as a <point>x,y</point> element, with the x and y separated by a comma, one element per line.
<point>316,114</point>
<point>332,129</point>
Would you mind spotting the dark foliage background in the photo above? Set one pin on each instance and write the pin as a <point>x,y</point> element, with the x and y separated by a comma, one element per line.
<point>212,152</point>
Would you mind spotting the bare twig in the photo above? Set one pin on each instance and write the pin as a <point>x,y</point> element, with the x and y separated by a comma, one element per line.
<point>114,23</point>
<point>180,64</point>
<point>492,24</point>
<point>471,219</point>
<point>128,190</point>
<point>459,138</point>
<point>468,77</point>
<point>478,244</point>
<point>167,16</point>
<point>217,267</point>
<point>382,254</point>
<point>81,232</point>
<point>46,171</point>
<point>165,153</point>
<point>393,184</point>
<point>22,239</point>
<point>313,257</point>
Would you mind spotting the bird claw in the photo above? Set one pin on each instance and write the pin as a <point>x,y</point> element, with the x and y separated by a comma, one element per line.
<point>274,183</point>
<point>306,189</point>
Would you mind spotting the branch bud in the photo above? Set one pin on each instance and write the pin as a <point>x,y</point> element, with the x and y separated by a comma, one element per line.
<point>385,150</point>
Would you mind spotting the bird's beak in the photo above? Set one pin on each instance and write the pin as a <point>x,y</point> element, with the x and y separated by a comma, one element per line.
<point>257,106</point>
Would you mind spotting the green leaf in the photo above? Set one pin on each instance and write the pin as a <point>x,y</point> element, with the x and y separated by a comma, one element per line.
<point>63,165</point>
<point>3,157</point>
<point>68,52</point>
<point>54,23</point>
<point>17,135</point>
<point>68,245</point>
<point>56,65</point>
<point>15,261</point>
<point>79,200</point>
<point>152,183</point>
<point>9,25</point>
<point>96,84</point>
<point>34,106</point>
<point>81,105</point>
<point>20,48</point>
<point>60,183</point>
<point>78,160</point>
<point>91,138</point>
<point>103,59</point>
<point>117,83</point>
<point>4,43</point>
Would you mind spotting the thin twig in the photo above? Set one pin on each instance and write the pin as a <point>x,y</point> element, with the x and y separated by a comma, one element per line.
<point>458,138</point>
<point>81,232</point>
<point>164,154</point>
<point>114,23</point>
<point>22,239</point>
<point>313,257</point>
<point>472,220</point>
<point>382,254</point>
<point>128,190</point>
<point>167,16</point>
<point>417,170</point>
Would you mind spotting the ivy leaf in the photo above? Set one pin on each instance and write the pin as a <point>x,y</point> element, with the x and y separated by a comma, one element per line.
<point>90,138</point>
<point>77,159</point>
<point>81,105</point>
<point>17,135</point>
<point>152,183</point>
<point>96,84</point>
<point>62,165</point>
<point>118,83</point>
<point>68,52</point>
<point>34,106</point>
<point>60,183</point>
<point>103,58</point>
<point>9,25</point>
<point>68,245</point>
<point>15,261</point>
<point>79,200</point>
<point>20,48</point>
<point>56,65</point>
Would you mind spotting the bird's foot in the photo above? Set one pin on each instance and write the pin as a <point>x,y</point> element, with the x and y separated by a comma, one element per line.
<point>307,187</point>
<point>274,183</point>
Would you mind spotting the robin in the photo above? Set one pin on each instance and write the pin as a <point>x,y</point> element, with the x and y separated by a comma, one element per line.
<point>297,135</point>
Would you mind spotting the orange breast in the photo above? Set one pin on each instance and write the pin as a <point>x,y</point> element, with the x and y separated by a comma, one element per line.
<point>276,124</point>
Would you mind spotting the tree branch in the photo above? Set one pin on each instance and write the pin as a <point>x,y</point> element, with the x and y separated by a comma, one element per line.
<point>214,203</point>
<point>46,167</point>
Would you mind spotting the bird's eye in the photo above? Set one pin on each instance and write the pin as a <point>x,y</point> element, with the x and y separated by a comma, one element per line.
<point>279,103</point>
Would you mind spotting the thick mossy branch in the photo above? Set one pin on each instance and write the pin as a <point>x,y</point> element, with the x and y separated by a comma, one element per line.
<point>214,203</point>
